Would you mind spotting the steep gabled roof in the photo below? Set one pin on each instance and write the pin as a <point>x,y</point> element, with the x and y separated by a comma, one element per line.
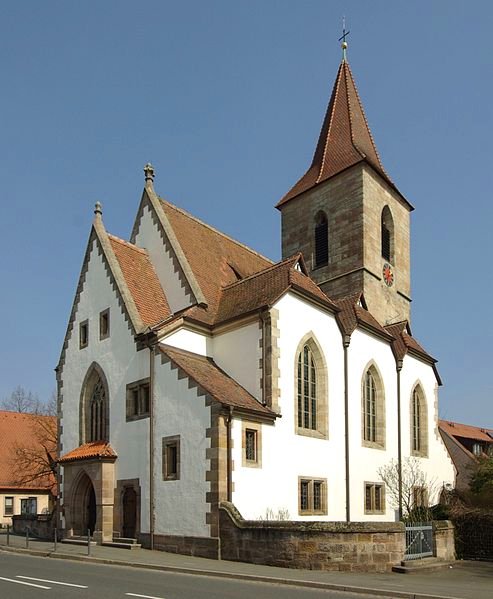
<point>352,314</point>
<point>25,431</point>
<point>95,450</point>
<point>345,139</point>
<point>215,259</point>
<point>214,381</point>
<point>142,281</point>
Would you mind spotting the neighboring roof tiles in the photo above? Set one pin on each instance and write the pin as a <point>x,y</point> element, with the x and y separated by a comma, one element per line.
<point>345,138</point>
<point>215,259</point>
<point>214,381</point>
<point>26,431</point>
<point>141,280</point>
<point>466,431</point>
<point>89,451</point>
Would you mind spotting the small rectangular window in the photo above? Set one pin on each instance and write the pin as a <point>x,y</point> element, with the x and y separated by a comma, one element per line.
<point>29,507</point>
<point>420,497</point>
<point>251,445</point>
<point>83,334</point>
<point>104,324</point>
<point>8,506</point>
<point>138,400</point>
<point>374,498</point>
<point>312,496</point>
<point>171,458</point>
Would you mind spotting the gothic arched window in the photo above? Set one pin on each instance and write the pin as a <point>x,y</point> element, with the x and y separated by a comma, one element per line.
<point>373,409</point>
<point>387,229</point>
<point>311,389</point>
<point>321,240</point>
<point>419,423</point>
<point>94,407</point>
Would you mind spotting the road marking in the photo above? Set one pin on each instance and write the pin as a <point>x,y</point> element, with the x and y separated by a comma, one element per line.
<point>143,596</point>
<point>66,584</point>
<point>29,584</point>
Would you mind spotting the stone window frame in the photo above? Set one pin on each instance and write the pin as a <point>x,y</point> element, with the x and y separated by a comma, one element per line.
<point>321,220</point>
<point>322,429</point>
<point>421,496</point>
<point>419,420</point>
<point>255,427</point>
<point>104,315</point>
<point>167,443</point>
<point>139,386</point>
<point>84,333</point>
<point>373,486</point>
<point>387,224</point>
<point>311,482</point>
<point>8,511</point>
<point>380,429</point>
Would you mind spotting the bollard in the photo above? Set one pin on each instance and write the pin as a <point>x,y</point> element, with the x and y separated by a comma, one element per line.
<point>27,537</point>
<point>55,539</point>
<point>8,535</point>
<point>88,542</point>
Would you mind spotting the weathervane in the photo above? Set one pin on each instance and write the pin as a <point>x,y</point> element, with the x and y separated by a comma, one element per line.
<point>343,39</point>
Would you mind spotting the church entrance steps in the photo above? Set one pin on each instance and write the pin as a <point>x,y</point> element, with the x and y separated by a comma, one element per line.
<point>427,564</point>
<point>77,540</point>
<point>123,543</point>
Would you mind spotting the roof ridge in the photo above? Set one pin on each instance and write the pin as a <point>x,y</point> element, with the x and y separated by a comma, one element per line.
<point>447,421</point>
<point>204,224</point>
<point>127,244</point>
<point>333,101</point>
<point>264,270</point>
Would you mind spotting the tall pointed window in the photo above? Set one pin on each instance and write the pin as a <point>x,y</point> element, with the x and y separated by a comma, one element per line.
<point>387,229</point>
<point>419,423</point>
<point>94,407</point>
<point>373,409</point>
<point>321,240</point>
<point>310,389</point>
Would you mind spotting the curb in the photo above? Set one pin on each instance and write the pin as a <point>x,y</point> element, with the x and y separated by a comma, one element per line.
<point>234,575</point>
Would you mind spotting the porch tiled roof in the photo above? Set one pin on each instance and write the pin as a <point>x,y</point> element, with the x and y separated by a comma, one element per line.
<point>88,451</point>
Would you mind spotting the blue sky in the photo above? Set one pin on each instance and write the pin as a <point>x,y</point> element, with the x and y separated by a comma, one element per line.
<point>226,99</point>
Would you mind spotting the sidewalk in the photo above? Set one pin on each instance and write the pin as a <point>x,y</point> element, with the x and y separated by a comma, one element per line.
<point>467,580</point>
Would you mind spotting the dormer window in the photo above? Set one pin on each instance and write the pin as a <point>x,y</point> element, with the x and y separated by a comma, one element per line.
<point>321,240</point>
<point>477,449</point>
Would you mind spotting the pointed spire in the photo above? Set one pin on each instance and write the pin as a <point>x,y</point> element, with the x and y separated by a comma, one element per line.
<point>345,138</point>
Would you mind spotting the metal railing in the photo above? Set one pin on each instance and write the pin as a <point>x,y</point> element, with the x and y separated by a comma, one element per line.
<point>419,540</point>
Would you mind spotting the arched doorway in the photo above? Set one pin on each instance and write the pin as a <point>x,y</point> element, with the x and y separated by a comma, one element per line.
<point>84,510</point>
<point>129,501</point>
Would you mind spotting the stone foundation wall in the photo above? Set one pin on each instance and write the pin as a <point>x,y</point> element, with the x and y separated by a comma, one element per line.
<point>353,547</point>
<point>197,546</point>
<point>444,540</point>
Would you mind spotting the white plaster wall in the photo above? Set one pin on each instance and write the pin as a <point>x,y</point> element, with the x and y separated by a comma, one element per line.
<point>285,455</point>
<point>149,237</point>
<point>238,353</point>
<point>190,341</point>
<point>437,466</point>
<point>121,363</point>
<point>365,349</point>
<point>181,504</point>
<point>42,503</point>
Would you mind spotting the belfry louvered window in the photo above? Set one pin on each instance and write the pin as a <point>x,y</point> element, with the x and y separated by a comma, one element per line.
<point>307,390</point>
<point>370,408</point>
<point>321,240</point>
<point>387,230</point>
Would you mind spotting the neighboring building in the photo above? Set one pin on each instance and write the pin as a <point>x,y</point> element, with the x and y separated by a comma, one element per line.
<point>21,490</point>
<point>194,370</point>
<point>465,445</point>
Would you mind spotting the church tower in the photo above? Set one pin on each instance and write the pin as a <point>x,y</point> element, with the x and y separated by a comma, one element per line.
<point>346,215</point>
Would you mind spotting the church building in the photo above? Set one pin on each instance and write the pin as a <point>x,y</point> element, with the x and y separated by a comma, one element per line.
<point>196,371</point>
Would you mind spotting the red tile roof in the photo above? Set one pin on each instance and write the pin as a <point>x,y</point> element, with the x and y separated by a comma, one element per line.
<point>141,280</point>
<point>214,381</point>
<point>466,431</point>
<point>352,314</point>
<point>215,259</point>
<point>89,451</point>
<point>25,431</point>
<point>345,138</point>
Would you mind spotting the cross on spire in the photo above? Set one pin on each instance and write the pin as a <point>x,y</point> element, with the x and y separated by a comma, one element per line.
<point>343,39</point>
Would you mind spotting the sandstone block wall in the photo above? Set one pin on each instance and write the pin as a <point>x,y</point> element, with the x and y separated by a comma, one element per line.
<point>330,546</point>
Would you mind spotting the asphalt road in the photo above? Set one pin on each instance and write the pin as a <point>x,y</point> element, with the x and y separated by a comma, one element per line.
<point>27,577</point>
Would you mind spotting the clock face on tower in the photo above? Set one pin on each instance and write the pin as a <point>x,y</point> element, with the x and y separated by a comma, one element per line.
<point>388,275</point>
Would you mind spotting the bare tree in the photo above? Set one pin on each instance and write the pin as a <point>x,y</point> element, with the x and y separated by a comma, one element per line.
<point>412,487</point>
<point>27,402</point>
